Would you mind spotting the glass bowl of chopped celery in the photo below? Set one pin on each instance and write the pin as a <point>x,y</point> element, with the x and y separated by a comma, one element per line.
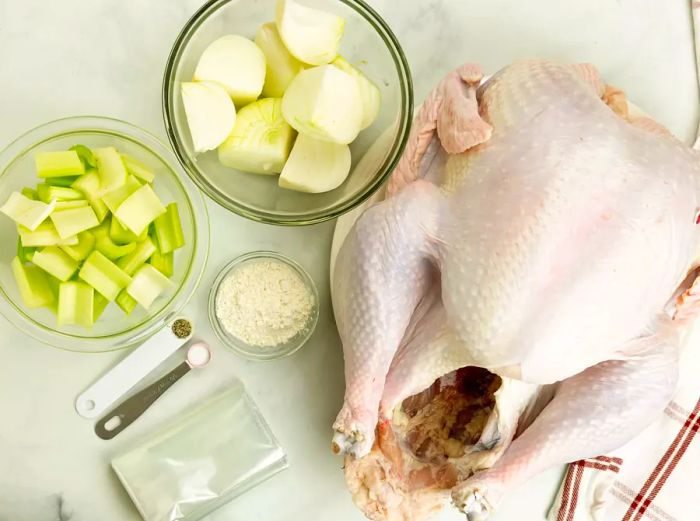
<point>288,112</point>
<point>105,236</point>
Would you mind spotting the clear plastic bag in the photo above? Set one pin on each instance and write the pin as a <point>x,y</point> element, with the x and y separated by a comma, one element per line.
<point>202,461</point>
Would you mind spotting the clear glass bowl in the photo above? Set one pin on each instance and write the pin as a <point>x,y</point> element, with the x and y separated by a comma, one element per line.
<point>113,330</point>
<point>263,352</point>
<point>367,42</point>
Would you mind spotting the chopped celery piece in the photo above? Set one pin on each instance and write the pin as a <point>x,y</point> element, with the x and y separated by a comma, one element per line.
<point>103,275</point>
<point>25,211</point>
<point>99,303</point>
<point>122,235</point>
<point>30,193</point>
<point>143,251</point>
<point>61,181</point>
<point>24,254</point>
<point>60,193</point>
<point>163,262</point>
<point>169,230</point>
<point>80,251</point>
<point>54,284</point>
<point>75,304</point>
<point>138,169</point>
<point>86,156</point>
<point>89,184</point>
<point>126,302</point>
<point>33,284</point>
<point>147,285</point>
<point>140,209</point>
<point>110,168</point>
<point>56,262</point>
<point>116,197</point>
<point>44,235</point>
<point>58,164</point>
<point>105,245</point>
<point>100,209</point>
<point>67,205</point>
<point>73,221</point>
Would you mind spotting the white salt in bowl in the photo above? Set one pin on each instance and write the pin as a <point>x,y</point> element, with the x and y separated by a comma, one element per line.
<point>257,352</point>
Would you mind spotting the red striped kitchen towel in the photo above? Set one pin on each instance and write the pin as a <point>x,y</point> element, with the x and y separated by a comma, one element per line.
<point>656,476</point>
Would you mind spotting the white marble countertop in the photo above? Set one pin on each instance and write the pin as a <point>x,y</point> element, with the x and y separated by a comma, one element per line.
<point>102,57</point>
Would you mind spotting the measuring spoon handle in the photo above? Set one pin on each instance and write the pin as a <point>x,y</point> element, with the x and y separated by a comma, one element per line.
<point>129,410</point>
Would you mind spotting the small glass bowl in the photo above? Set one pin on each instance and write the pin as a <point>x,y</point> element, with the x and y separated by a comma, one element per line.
<point>367,42</point>
<point>114,330</point>
<point>253,352</point>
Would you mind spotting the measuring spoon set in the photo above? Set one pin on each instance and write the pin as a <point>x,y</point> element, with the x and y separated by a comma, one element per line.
<point>136,366</point>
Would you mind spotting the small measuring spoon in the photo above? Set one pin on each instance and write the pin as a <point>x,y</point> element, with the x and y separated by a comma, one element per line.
<point>198,355</point>
<point>133,368</point>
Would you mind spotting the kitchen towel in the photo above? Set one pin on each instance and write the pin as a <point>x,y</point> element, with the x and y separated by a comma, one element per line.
<point>655,476</point>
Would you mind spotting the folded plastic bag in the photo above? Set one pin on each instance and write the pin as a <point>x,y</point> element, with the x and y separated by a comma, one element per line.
<point>212,455</point>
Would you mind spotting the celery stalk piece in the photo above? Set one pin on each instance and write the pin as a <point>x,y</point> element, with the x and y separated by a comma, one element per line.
<point>122,235</point>
<point>68,205</point>
<point>60,193</point>
<point>147,285</point>
<point>143,251</point>
<point>125,302</point>
<point>89,184</point>
<point>25,211</point>
<point>98,306</point>
<point>80,251</point>
<point>169,230</point>
<point>163,262</point>
<point>76,302</point>
<point>138,169</point>
<point>72,222</point>
<point>30,193</point>
<point>100,209</point>
<point>58,164</point>
<point>33,284</point>
<point>65,182</point>
<point>44,235</point>
<point>110,168</point>
<point>116,197</point>
<point>103,275</point>
<point>140,209</point>
<point>86,156</point>
<point>56,262</point>
<point>105,245</point>
<point>54,284</point>
<point>24,254</point>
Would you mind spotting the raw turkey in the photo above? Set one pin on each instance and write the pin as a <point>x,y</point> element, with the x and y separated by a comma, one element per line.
<point>517,300</point>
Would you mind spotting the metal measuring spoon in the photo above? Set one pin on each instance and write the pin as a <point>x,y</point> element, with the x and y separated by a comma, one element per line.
<point>198,355</point>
